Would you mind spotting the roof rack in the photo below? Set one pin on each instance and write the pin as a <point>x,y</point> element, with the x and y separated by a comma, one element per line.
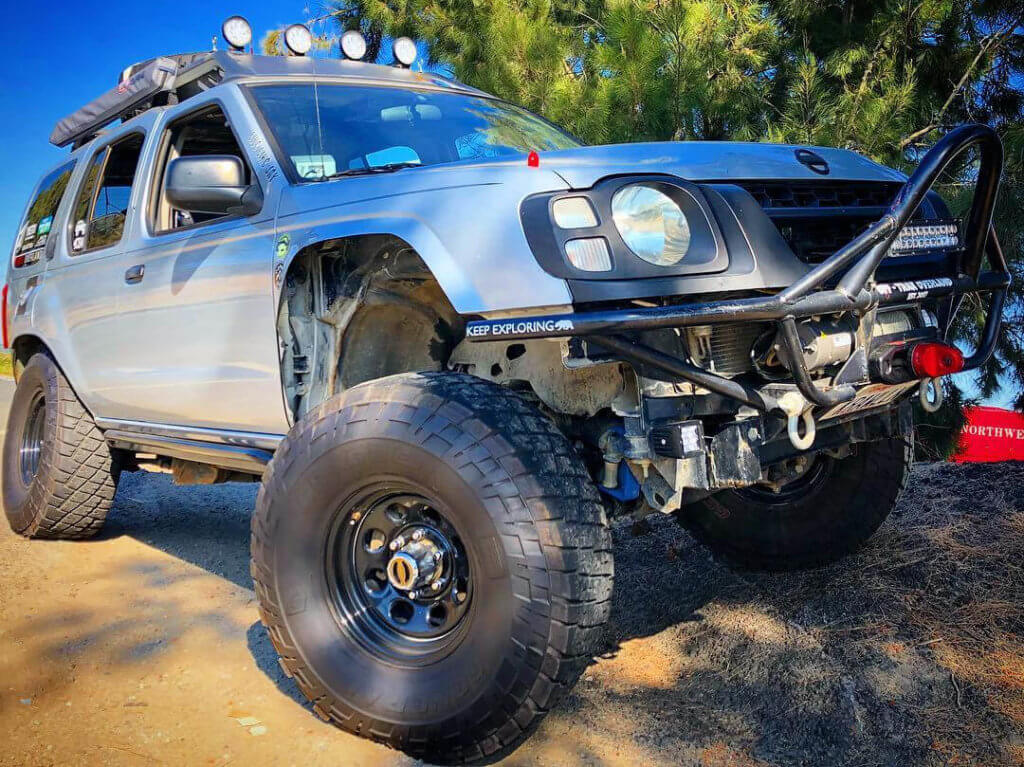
<point>150,83</point>
<point>171,79</point>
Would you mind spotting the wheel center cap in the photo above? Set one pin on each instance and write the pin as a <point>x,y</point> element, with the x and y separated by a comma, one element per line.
<point>417,560</point>
<point>403,571</point>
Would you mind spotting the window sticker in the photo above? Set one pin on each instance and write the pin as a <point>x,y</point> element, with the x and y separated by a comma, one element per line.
<point>28,237</point>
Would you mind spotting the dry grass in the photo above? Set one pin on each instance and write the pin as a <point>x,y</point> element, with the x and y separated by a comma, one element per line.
<point>961,591</point>
<point>911,652</point>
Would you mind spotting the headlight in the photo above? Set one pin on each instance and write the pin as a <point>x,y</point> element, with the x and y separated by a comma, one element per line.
<point>651,224</point>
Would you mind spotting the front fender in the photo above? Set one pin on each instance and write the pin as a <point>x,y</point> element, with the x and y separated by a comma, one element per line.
<point>466,229</point>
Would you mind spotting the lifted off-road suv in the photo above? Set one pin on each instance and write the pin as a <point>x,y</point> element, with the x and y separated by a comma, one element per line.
<point>451,342</point>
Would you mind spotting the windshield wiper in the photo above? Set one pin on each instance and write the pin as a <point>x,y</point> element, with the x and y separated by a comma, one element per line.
<point>386,168</point>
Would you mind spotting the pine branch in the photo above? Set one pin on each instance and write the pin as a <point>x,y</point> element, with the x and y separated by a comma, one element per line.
<point>990,44</point>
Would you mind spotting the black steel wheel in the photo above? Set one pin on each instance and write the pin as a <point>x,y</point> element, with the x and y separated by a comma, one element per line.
<point>31,451</point>
<point>432,563</point>
<point>399,572</point>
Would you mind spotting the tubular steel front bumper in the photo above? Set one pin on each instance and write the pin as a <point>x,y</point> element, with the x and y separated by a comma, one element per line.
<point>854,264</point>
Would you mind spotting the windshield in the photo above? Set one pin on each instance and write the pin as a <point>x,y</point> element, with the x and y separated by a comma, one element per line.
<point>326,131</point>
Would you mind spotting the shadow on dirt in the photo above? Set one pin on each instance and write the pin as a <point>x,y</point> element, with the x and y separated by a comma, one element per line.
<point>909,653</point>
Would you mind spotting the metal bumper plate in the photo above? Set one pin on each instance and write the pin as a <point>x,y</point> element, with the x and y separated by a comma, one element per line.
<point>869,397</point>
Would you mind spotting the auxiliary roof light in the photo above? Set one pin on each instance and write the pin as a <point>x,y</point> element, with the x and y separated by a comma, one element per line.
<point>237,32</point>
<point>298,39</point>
<point>404,51</point>
<point>353,45</point>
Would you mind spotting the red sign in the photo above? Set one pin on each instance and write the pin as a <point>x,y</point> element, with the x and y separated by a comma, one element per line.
<point>991,434</point>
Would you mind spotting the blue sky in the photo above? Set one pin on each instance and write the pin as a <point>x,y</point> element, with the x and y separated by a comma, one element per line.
<point>64,54</point>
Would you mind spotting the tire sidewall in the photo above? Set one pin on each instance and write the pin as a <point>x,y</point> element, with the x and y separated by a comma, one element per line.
<point>23,503</point>
<point>305,507</point>
<point>830,520</point>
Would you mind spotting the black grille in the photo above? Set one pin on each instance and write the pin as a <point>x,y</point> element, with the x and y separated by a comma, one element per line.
<point>817,218</point>
<point>815,195</point>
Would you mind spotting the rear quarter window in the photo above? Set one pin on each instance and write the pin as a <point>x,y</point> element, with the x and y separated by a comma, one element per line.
<point>37,226</point>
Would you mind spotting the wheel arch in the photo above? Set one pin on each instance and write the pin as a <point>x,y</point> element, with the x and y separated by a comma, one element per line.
<point>453,279</point>
<point>355,308</point>
<point>22,349</point>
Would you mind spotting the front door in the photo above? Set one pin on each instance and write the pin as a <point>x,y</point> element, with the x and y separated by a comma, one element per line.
<point>196,315</point>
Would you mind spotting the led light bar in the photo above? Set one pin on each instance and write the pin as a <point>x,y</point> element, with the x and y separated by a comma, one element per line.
<point>938,236</point>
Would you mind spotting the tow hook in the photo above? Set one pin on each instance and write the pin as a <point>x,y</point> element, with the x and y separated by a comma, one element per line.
<point>931,403</point>
<point>798,411</point>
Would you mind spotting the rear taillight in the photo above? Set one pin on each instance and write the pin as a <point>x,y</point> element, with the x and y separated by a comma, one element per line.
<point>6,326</point>
<point>931,359</point>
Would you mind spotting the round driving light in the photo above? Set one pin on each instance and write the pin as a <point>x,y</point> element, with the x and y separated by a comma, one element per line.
<point>353,45</point>
<point>237,32</point>
<point>298,39</point>
<point>404,51</point>
<point>652,225</point>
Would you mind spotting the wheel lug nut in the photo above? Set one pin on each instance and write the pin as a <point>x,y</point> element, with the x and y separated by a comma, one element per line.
<point>436,585</point>
<point>413,595</point>
<point>417,534</point>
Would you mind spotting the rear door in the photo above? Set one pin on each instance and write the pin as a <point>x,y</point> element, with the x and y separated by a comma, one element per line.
<point>33,243</point>
<point>197,327</point>
<point>76,309</point>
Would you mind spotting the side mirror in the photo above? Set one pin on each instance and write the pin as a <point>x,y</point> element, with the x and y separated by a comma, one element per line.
<point>213,184</point>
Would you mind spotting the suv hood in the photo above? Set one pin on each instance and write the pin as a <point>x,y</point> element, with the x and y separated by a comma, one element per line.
<point>710,161</point>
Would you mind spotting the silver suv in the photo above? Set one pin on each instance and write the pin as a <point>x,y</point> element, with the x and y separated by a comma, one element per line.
<point>451,342</point>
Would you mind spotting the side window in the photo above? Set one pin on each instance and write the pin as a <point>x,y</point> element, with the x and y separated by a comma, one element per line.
<point>34,232</point>
<point>102,204</point>
<point>206,132</point>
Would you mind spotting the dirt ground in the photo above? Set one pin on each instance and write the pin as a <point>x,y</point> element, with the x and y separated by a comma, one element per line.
<point>143,647</point>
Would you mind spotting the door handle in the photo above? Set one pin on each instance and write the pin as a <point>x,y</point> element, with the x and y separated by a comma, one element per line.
<point>135,274</point>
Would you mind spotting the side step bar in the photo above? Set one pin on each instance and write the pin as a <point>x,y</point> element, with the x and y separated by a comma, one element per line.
<point>250,460</point>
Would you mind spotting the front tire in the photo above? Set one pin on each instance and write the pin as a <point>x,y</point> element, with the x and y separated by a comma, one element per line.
<point>59,476</point>
<point>817,519</point>
<point>471,487</point>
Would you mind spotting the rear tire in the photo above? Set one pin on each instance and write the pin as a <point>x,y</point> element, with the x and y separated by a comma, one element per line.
<point>488,481</point>
<point>59,476</point>
<point>817,520</point>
